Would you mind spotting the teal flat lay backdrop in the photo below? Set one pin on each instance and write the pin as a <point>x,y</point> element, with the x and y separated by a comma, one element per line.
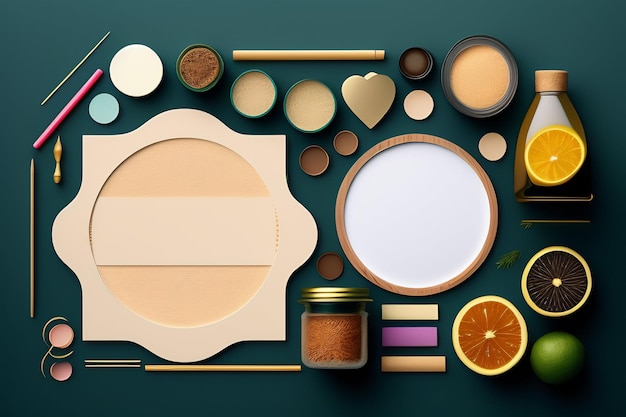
<point>42,41</point>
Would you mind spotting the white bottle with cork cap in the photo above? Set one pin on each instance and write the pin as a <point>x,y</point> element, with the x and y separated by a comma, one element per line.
<point>551,108</point>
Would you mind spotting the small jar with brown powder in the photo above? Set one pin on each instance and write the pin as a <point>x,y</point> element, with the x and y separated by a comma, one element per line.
<point>199,67</point>
<point>334,327</point>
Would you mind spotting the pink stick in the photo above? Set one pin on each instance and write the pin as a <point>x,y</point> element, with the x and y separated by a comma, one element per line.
<point>67,109</point>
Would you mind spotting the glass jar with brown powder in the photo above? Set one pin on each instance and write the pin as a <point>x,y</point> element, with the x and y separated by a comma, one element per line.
<point>334,327</point>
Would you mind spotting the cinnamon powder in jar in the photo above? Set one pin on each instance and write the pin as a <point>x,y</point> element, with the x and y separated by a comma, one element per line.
<point>199,67</point>
<point>334,327</point>
<point>333,339</point>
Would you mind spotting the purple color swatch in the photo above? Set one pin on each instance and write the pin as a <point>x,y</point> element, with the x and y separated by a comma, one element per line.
<point>409,336</point>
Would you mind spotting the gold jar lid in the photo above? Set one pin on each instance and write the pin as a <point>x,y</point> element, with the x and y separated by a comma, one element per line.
<point>334,294</point>
<point>550,80</point>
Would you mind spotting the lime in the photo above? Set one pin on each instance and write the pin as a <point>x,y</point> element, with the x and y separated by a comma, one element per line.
<point>557,357</point>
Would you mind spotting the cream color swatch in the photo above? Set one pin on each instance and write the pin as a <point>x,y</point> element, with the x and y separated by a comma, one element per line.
<point>413,363</point>
<point>410,311</point>
<point>184,231</point>
<point>184,296</point>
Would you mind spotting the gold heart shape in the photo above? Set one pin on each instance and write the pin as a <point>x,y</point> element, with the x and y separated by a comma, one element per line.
<point>369,97</point>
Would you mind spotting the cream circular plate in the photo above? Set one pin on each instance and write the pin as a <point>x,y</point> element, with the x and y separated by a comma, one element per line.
<point>136,70</point>
<point>416,215</point>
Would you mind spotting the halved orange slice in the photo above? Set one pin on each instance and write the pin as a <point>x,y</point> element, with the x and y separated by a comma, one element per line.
<point>489,335</point>
<point>554,155</point>
<point>556,281</point>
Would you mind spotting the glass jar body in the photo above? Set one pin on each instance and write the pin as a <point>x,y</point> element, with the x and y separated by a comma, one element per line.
<point>334,335</point>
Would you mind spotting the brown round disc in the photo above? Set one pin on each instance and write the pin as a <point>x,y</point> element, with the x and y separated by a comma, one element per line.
<point>330,265</point>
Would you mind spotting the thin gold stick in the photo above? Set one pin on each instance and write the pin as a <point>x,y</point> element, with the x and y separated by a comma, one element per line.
<point>75,68</point>
<point>227,368</point>
<point>102,361</point>
<point>556,221</point>
<point>112,365</point>
<point>32,238</point>
<point>529,222</point>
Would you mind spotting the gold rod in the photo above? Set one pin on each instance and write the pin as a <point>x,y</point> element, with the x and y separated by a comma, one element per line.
<point>74,69</point>
<point>32,238</point>
<point>308,55</point>
<point>556,221</point>
<point>225,368</point>
<point>112,361</point>
<point>112,365</point>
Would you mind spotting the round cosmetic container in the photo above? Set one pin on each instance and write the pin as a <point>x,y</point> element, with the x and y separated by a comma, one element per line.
<point>199,67</point>
<point>416,63</point>
<point>334,327</point>
<point>479,76</point>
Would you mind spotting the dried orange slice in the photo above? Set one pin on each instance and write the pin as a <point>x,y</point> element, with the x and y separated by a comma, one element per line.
<point>556,281</point>
<point>489,335</point>
<point>554,155</point>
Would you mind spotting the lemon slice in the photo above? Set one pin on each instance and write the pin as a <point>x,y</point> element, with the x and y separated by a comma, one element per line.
<point>554,155</point>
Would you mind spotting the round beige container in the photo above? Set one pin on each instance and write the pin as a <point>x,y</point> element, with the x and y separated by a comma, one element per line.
<point>479,76</point>
<point>310,106</point>
<point>253,94</point>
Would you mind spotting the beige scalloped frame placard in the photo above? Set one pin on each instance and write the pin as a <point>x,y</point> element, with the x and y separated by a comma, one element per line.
<point>183,236</point>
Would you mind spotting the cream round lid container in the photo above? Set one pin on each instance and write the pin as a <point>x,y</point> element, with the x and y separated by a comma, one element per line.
<point>309,105</point>
<point>253,93</point>
<point>479,76</point>
<point>136,70</point>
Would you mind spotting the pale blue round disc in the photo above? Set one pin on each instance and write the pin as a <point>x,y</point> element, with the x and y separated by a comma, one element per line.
<point>104,108</point>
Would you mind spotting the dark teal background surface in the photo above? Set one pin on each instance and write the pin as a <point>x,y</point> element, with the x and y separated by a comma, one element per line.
<point>41,41</point>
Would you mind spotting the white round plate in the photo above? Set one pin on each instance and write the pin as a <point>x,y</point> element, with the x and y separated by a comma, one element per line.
<point>416,215</point>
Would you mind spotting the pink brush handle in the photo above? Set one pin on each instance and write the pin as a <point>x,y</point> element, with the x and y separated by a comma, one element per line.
<point>68,108</point>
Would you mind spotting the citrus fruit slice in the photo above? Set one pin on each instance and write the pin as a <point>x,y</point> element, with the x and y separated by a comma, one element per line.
<point>556,281</point>
<point>557,357</point>
<point>489,335</point>
<point>554,155</point>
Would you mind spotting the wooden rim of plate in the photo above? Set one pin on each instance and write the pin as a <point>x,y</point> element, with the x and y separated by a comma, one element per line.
<point>451,281</point>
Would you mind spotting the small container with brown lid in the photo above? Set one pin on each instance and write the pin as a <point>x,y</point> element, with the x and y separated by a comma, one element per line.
<point>334,327</point>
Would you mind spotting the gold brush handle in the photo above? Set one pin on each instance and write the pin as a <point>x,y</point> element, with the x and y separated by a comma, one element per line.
<point>58,150</point>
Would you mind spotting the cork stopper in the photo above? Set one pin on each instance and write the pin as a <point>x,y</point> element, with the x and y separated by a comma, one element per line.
<point>550,80</point>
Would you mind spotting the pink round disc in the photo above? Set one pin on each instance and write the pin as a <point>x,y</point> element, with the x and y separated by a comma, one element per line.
<point>61,336</point>
<point>61,371</point>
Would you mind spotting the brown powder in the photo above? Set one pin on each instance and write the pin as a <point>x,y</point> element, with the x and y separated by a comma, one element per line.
<point>199,67</point>
<point>333,338</point>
